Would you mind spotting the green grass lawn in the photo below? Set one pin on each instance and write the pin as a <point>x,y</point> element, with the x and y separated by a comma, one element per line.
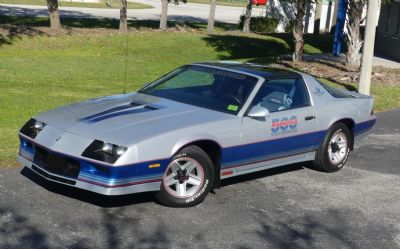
<point>41,72</point>
<point>105,23</point>
<point>102,4</point>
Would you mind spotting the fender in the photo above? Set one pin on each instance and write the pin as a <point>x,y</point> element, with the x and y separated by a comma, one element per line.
<point>191,139</point>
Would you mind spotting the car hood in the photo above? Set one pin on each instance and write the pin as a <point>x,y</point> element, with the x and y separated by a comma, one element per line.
<point>121,118</point>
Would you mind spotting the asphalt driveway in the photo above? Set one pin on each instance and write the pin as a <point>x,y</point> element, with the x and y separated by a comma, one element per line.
<point>289,207</point>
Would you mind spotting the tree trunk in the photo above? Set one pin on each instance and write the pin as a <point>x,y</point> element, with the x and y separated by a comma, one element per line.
<point>317,17</point>
<point>247,17</point>
<point>164,15</point>
<point>353,35</point>
<point>211,17</point>
<point>52,6</point>
<point>123,21</point>
<point>298,30</point>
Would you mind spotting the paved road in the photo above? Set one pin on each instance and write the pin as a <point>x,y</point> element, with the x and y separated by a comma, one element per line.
<point>292,207</point>
<point>181,12</point>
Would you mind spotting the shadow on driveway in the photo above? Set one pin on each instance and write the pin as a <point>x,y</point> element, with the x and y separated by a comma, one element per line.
<point>87,196</point>
<point>132,199</point>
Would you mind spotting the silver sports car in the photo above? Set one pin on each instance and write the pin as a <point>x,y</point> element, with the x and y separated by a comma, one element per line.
<point>183,133</point>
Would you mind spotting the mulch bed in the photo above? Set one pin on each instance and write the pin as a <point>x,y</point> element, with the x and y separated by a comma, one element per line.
<point>337,72</point>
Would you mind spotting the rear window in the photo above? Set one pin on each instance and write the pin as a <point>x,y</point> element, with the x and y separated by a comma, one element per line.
<point>337,93</point>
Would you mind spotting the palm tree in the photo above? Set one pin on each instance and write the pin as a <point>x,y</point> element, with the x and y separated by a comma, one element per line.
<point>298,30</point>
<point>353,36</point>
<point>211,18</point>
<point>164,14</point>
<point>52,6</point>
<point>123,19</point>
<point>247,17</point>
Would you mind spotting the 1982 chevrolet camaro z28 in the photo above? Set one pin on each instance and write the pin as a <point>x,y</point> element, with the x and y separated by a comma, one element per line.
<point>201,123</point>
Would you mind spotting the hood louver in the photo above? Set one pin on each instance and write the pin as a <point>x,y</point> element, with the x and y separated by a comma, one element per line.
<point>121,110</point>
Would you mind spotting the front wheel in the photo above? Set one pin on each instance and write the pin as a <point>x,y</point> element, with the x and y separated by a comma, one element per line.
<point>334,151</point>
<point>187,179</point>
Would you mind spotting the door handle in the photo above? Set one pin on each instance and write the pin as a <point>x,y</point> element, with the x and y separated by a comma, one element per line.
<point>308,118</point>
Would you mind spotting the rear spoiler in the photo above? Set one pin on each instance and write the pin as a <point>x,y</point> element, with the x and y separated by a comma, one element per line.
<point>357,94</point>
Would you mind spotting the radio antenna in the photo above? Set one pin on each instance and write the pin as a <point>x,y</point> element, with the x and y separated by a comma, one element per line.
<point>126,61</point>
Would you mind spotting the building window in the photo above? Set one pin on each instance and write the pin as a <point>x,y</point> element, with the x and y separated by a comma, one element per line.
<point>389,8</point>
<point>398,22</point>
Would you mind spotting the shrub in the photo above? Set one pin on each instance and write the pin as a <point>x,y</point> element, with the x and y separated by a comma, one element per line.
<point>261,24</point>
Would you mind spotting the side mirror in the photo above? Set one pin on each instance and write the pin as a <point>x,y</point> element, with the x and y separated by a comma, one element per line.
<point>258,111</point>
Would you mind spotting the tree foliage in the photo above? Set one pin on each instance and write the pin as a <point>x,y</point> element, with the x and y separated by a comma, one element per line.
<point>260,24</point>
<point>177,1</point>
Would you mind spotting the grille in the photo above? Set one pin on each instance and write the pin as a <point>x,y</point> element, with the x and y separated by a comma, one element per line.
<point>55,178</point>
<point>56,164</point>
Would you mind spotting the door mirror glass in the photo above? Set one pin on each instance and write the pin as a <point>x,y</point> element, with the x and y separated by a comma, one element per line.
<point>258,111</point>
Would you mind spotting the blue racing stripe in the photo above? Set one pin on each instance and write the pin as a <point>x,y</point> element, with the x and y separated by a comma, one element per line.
<point>109,111</point>
<point>117,114</point>
<point>264,150</point>
<point>364,127</point>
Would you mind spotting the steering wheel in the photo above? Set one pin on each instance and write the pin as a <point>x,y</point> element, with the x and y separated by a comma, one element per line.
<point>231,98</point>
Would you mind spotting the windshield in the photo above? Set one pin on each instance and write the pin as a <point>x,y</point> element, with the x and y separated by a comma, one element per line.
<point>205,87</point>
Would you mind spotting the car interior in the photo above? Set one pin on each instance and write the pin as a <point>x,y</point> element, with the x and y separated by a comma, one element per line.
<point>282,94</point>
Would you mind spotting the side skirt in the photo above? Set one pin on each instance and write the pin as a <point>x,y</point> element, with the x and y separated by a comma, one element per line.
<point>250,168</point>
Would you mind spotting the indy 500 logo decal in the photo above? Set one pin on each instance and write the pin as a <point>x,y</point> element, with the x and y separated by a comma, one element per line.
<point>284,125</point>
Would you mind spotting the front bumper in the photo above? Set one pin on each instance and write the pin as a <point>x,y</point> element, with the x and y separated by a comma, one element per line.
<point>87,174</point>
<point>93,187</point>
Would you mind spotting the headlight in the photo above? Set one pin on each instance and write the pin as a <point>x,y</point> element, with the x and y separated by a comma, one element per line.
<point>39,125</point>
<point>104,151</point>
<point>32,128</point>
<point>120,150</point>
<point>113,149</point>
<point>107,148</point>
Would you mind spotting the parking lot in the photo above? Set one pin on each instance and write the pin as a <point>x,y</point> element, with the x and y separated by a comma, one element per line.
<point>287,207</point>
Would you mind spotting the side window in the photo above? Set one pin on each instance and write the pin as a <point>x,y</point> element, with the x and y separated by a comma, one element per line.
<point>282,94</point>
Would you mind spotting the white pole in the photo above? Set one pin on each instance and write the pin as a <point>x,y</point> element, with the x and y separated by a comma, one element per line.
<point>369,43</point>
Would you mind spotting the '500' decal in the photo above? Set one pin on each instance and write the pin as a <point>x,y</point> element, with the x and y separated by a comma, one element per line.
<point>284,125</point>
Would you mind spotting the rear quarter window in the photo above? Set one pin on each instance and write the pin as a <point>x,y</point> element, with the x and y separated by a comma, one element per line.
<point>337,93</point>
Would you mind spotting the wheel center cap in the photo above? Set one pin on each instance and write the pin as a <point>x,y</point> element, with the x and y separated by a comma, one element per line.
<point>335,147</point>
<point>181,176</point>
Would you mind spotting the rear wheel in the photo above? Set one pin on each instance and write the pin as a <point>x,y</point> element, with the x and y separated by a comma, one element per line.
<point>187,179</point>
<point>335,149</point>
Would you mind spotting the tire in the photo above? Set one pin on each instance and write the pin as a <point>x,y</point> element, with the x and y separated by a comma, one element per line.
<point>188,178</point>
<point>334,151</point>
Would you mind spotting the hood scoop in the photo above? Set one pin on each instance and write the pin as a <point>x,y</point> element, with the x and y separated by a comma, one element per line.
<point>118,111</point>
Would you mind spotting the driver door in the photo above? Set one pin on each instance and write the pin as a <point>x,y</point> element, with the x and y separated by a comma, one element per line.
<point>288,134</point>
